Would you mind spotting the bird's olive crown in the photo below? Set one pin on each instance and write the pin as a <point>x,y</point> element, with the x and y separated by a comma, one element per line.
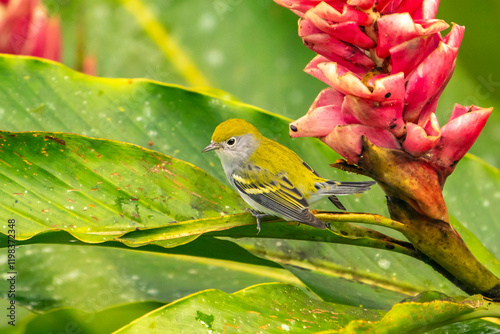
<point>233,128</point>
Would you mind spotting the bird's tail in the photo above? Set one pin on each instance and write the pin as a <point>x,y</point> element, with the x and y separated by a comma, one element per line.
<point>334,188</point>
<point>343,188</point>
<point>347,188</point>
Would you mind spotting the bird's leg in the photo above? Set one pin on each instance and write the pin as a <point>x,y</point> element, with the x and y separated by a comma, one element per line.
<point>258,216</point>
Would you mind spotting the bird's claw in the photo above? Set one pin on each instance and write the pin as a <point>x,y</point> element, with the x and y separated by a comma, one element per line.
<point>257,216</point>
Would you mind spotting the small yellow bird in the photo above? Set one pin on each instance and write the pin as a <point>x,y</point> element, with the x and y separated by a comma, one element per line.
<point>271,178</point>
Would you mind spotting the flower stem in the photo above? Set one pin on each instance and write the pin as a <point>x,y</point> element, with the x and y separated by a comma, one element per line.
<point>365,218</point>
<point>439,241</point>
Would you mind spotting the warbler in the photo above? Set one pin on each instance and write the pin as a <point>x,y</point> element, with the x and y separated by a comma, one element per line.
<point>271,178</point>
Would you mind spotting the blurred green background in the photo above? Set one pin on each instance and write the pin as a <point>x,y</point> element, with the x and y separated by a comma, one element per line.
<point>251,50</point>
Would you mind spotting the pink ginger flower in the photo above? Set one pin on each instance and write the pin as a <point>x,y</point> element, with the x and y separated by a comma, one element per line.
<point>386,63</point>
<point>26,29</point>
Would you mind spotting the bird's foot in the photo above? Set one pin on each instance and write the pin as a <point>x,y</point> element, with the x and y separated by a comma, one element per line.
<point>257,216</point>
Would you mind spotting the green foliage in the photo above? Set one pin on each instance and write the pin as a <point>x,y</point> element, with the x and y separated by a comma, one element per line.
<point>76,321</point>
<point>267,307</point>
<point>99,189</point>
<point>191,273</point>
<point>106,277</point>
<point>424,315</point>
<point>128,181</point>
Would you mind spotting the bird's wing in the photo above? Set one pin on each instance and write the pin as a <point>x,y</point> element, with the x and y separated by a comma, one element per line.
<point>277,194</point>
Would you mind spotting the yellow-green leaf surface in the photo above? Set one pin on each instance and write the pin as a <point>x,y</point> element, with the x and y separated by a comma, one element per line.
<point>273,308</point>
<point>269,308</point>
<point>99,189</point>
<point>415,316</point>
<point>411,314</point>
<point>243,225</point>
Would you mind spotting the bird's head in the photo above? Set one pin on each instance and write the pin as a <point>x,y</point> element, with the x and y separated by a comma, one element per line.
<point>234,140</point>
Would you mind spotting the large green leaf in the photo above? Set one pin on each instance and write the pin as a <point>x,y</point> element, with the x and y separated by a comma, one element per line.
<point>471,194</point>
<point>98,189</point>
<point>268,307</point>
<point>426,312</point>
<point>280,307</point>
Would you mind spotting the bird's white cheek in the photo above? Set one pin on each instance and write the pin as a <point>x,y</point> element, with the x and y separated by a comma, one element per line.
<point>228,157</point>
<point>224,158</point>
<point>226,163</point>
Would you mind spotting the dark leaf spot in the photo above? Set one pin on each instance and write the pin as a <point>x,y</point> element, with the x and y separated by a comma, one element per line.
<point>57,140</point>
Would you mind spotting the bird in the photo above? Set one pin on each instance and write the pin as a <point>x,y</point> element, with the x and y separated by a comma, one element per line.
<point>272,178</point>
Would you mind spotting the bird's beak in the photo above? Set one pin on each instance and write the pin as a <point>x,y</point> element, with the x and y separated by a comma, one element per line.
<point>212,146</point>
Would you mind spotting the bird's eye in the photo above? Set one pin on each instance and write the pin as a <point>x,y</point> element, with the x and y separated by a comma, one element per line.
<point>231,141</point>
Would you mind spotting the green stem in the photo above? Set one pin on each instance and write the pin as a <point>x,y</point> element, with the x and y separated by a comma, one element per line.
<point>439,241</point>
<point>414,197</point>
<point>365,218</point>
<point>342,232</point>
